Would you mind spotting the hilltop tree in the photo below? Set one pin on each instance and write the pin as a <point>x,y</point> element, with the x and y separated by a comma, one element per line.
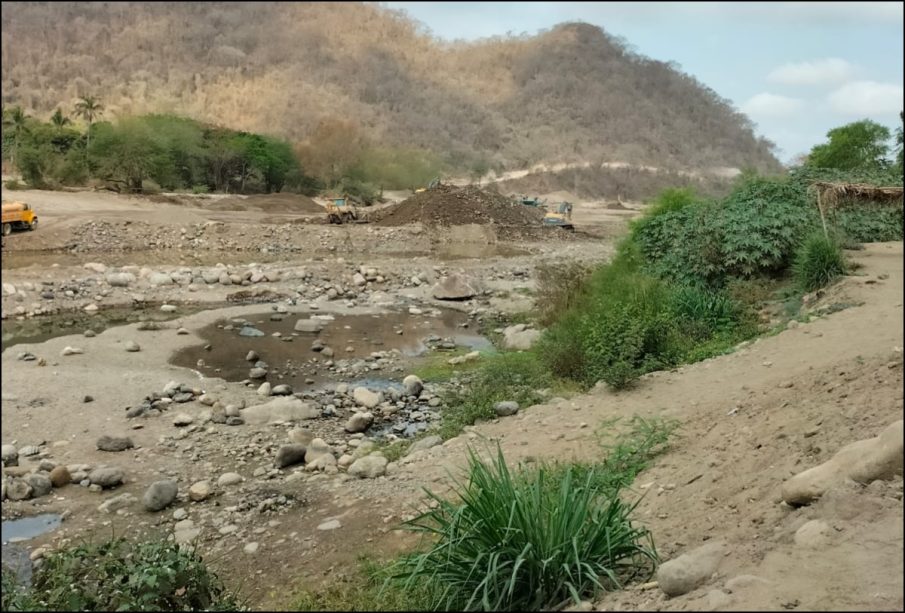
<point>861,145</point>
<point>89,108</point>
<point>59,120</point>
<point>16,121</point>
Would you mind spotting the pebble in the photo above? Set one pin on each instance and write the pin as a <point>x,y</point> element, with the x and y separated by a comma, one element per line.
<point>132,346</point>
<point>251,548</point>
<point>200,491</point>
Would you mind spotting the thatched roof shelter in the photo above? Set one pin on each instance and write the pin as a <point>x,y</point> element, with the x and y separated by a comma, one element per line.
<point>831,196</point>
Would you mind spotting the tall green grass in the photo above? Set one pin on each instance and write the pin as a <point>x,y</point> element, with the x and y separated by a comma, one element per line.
<point>531,540</point>
<point>818,262</point>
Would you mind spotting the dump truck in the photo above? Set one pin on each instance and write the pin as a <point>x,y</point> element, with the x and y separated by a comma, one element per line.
<point>18,216</point>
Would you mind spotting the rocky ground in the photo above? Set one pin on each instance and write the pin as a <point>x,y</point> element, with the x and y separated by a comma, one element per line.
<point>285,487</point>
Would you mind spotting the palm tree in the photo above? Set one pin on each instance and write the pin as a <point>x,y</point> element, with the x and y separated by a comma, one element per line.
<point>89,108</point>
<point>16,122</point>
<point>59,120</point>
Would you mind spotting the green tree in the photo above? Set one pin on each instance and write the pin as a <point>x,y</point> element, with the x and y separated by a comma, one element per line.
<point>89,108</point>
<point>16,122</point>
<point>127,153</point>
<point>59,120</point>
<point>861,145</point>
<point>900,137</point>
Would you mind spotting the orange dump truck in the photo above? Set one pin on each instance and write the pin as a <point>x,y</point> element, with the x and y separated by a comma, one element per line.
<point>18,215</point>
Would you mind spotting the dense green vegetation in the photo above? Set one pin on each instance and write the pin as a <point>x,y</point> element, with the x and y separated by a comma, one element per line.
<point>818,262</point>
<point>120,575</point>
<point>861,145</point>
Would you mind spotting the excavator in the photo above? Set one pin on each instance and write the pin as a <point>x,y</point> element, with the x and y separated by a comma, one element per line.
<point>561,218</point>
<point>432,185</point>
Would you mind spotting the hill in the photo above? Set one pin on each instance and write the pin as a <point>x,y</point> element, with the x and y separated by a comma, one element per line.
<point>573,93</point>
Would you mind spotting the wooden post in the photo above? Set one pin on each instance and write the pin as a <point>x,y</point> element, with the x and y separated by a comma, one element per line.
<point>822,216</point>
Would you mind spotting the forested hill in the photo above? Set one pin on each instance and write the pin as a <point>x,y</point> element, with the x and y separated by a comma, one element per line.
<point>573,93</point>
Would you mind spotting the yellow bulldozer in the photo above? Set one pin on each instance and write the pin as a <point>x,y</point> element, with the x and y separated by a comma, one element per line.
<point>341,210</point>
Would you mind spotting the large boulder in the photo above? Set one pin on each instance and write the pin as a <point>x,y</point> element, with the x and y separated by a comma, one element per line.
<point>10,455</point>
<point>366,398</point>
<point>863,461</point>
<point>114,443</point>
<point>369,467</point>
<point>455,287</point>
<point>291,454</point>
<point>40,483</point>
<point>412,385</point>
<point>281,408</point>
<point>359,422</point>
<point>686,572</point>
<point>106,476</point>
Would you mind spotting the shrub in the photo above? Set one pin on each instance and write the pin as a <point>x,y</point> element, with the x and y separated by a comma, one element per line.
<point>818,262</point>
<point>867,224</point>
<point>14,184</point>
<point>559,288</point>
<point>526,541</point>
<point>119,575</point>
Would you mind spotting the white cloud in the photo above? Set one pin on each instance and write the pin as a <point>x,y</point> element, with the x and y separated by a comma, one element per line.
<point>771,105</point>
<point>867,98</point>
<point>830,71</point>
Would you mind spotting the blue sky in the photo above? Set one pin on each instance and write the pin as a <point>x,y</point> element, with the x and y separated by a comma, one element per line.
<point>797,69</point>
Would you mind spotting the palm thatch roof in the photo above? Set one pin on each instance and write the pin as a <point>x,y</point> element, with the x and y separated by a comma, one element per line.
<point>831,195</point>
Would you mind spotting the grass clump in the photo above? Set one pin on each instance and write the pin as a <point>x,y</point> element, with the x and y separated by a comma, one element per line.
<point>119,575</point>
<point>818,262</point>
<point>369,587</point>
<point>529,540</point>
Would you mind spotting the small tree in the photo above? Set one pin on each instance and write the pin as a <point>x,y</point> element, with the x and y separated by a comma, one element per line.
<point>89,108</point>
<point>899,142</point>
<point>861,145</point>
<point>16,121</point>
<point>59,120</point>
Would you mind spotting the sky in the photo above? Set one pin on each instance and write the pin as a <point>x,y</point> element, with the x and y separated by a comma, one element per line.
<point>796,69</point>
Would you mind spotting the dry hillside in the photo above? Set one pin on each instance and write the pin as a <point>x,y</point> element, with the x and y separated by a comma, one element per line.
<point>571,93</point>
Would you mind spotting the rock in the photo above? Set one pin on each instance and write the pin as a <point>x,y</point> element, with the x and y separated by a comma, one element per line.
<point>132,346</point>
<point>186,535</point>
<point>683,574</point>
<point>200,491</point>
<point>71,351</point>
<point>257,373</point>
<point>114,443</point>
<point>366,398</point>
<point>265,389</point>
<point>90,308</point>
<point>358,279</point>
<point>462,359</point>
<point>412,385</point>
<point>180,514</point>
<point>160,278</point>
<point>159,495</point>
<point>114,504</point>
<point>168,308</point>
<point>863,461</point>
<point>520,340</point>
<point>331,524</point>
<point>506,408</point>
<point>455,287</point>
<point>29,450</point>
<point>9,289</point>
<point>18,489</point>
<point>812,535</point>
<point>60,476</point>
<point>317,448</point>
<point>368,467</point>
<point>182,331</point>
<point>252,356</point>
<point>40,484</point>
<point>425,443</point>
<point>289,455</point>
<point>227,479</point>
<point>9,455</point>
<point>182,419</point>
<point>250,331</point>
<point>95,267</point>
<point>282,408</point>
<point>309,325</point>
<point>281,390</point>
<point>251,548</point>
<point>302,436</point>
<point>120,279</point>
<point>359,422</point>
<point>106,476</point>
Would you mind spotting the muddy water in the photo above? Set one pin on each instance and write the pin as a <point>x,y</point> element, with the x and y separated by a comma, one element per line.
<point>40,329</point>
<point>40,260</point>
<point>14,556</point>
<point>294,362</point>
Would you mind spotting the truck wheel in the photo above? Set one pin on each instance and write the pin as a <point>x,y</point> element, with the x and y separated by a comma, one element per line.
<point>33,225</point>
<point>7,229</point>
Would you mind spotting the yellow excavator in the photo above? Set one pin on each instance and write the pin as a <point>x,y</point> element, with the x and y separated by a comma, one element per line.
<point>432,185</point>
<point>561,217</point>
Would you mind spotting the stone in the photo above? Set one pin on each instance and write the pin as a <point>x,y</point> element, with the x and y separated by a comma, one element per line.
<point>281,408</point>
<point>462,359</point>
<point>358,279</point>
<point>71,351</point>
<point>228,479</point>
<point>180,514</point>
<point>250,331</point>
<point>265,389</point>
<point>18,489</point>
<point>252,356</point>
<point>331,524</point>
<point>302,436</point>
<point>366,398</point>
<point>95,267</point>
<point>182,419</point>
<point>506,408</point>
<point>186,536</point>
<point>412,385</point>
<point>159,495</point>
<point>168,308</point>
<point>10,455</point>
<point>106,476</point>
<point>132,346</point>
<point>359,422</point>
<point>40,484</point>
<point>251,548</point>
<point>120,279</point>
<point>519,340</point>
<point>257,373</point>
<point>114,443</point>
<point>116,503</point>
<point>317,448</point>
<point>281,390</point>
<point>425,443</point>
<point>60,476</point>
<point>200,491</point>
<point>160,278</point>
<point>686,572</point>
<point>455,287</point>
<point>289,455</point>
<point>29,450</point>
<point>863,461</point>
<point>309,325</point>
<point>813,535</point>
<point>368,467</point>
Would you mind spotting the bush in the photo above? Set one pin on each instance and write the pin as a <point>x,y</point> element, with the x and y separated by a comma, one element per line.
<point>867,224</point>
<point>559,288</point>
<point>526,541</point>
<point>119,575</point>
<point>818,262</point>
<point>14,184</point>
